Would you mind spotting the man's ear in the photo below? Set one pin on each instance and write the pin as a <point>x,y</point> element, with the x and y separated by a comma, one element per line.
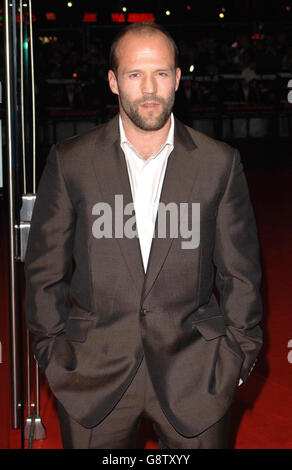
<point>177,78</point>
<point>113,82</point>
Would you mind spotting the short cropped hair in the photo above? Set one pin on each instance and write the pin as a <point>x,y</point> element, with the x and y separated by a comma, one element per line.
<point>140,28</point>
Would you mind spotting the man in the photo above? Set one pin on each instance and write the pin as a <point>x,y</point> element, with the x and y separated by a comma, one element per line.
<point>134,328</point>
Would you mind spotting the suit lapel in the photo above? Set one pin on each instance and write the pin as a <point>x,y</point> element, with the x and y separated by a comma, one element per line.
<point>112,175</point>
<point>180,176</point>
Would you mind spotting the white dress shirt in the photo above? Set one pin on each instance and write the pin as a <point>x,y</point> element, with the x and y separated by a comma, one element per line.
<point>146,179</point>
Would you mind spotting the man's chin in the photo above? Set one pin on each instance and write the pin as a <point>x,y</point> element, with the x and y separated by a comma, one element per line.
<point>151,124</point>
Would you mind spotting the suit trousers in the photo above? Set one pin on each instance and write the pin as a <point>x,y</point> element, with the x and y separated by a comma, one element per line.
<point>119,429</point>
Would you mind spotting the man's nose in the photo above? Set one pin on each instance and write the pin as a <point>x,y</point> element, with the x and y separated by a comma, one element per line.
<point>149,85</point>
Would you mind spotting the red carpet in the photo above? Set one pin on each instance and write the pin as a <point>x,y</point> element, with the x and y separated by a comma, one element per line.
<point>262,411</point>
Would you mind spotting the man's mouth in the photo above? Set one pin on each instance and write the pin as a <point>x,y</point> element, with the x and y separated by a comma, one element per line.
<point>150,104</point>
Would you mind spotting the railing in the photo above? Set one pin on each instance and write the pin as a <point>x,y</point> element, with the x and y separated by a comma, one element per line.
<point>222,105</point>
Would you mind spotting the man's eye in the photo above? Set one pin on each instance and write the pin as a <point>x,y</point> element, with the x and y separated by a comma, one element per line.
<point>134,75</point>
<point>163,74</point>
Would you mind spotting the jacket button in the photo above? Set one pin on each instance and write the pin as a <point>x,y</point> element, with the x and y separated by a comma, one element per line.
<point>144,311</point>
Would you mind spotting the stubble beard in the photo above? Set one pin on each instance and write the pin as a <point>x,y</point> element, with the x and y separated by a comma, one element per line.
<point>149,122</point>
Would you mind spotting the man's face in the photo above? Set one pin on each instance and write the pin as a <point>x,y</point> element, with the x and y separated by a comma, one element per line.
<point>146,79</point>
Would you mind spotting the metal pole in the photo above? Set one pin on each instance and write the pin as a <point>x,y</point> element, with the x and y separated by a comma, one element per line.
<point>22,94</point>
<point>37,382</point>
<point>16,382</point>
<point>34,428</point>
<point>33,98</point>
<point>28,373</point>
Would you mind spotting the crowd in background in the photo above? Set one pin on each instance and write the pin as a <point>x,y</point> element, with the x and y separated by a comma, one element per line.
<point>270,53</point>
<point>82,61</point>
<point>85,68</point>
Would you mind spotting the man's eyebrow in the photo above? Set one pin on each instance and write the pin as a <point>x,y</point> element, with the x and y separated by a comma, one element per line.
<point>132,70</point>
<point>159,69</point>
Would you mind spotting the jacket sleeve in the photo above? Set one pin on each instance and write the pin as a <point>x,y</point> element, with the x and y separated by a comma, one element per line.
<point>48,262</point>
<point>237,258</point>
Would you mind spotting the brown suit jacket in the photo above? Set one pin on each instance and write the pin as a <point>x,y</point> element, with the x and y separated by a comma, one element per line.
<point>93,312</point>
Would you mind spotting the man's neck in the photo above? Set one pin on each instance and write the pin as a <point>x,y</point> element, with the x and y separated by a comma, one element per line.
<point>147,143</point>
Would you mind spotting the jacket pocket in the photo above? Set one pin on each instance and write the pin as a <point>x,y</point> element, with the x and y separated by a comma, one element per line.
<point>210,328</point>
<point>76,329</point>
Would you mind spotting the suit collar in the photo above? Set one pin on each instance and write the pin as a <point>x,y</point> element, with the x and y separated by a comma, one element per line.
<point>108,133</point>
<point>111,133</point>
<point>182,137</point>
